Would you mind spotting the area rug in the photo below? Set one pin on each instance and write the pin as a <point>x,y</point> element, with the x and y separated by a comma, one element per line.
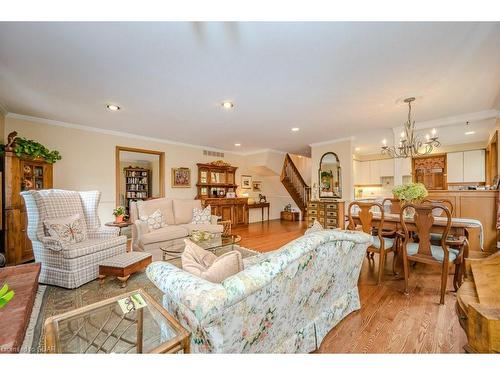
<point>52,300</point>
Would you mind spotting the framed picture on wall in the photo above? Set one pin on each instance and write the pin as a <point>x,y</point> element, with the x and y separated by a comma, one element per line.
<point>181,177</point>
<point>246,182</point>
<point>257,186</point>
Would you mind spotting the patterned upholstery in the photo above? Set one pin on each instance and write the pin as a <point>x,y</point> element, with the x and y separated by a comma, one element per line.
<point>287,301</point>
<point>125,259</point>
<point>69,266</point>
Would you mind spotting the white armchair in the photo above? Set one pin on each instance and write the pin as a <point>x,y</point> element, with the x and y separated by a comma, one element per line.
<point>69,265</point>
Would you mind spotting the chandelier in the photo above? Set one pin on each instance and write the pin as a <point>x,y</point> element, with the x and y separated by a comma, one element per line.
<point>410,144</point>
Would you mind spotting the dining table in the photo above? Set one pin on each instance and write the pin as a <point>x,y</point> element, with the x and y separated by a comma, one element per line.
<point>470,228</point>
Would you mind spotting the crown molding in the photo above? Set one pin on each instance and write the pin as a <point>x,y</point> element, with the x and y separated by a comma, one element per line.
<point>262,151</point>
<point>68,125</point>
<point>337,140</point>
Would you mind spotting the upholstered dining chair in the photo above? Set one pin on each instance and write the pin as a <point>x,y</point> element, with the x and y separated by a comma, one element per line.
<point>383,240</point>
<point>436,237</point>
<point>395,205</point>
<point>424,251</point>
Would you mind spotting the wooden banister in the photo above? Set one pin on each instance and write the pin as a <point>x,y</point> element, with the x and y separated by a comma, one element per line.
<point>294,183</point>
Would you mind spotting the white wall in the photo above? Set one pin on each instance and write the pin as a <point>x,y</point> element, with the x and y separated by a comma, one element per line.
<point>88,162</point>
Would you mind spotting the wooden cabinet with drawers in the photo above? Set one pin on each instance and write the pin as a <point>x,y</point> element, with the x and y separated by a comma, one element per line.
<point>234,209</point>
<point>330,214</point>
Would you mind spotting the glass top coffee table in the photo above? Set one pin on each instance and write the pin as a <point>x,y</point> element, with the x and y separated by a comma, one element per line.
<point>212,245</point>
<point>129,323</point>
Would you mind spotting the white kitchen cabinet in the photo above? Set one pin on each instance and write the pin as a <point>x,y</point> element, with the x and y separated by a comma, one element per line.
<point>374,172</point>
<point>355,170</point>
<point>474,166</point>
<point>386,167</point>
<point>364,173</point>
<point>455,167</point>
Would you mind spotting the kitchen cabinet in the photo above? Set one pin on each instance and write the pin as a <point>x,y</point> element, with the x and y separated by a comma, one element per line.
<point>466,166</point>
<point>386,167</point>
<point>367,172</point>
<point>455,167</point>
<point>474,166</point>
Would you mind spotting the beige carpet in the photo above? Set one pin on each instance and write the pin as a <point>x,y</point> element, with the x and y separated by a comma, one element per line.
<point>58,300</point>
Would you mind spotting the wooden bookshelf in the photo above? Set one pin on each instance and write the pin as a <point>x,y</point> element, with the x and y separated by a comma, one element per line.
<point>137,185</point>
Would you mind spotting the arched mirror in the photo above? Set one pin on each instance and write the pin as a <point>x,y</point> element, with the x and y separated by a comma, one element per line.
<point>329,176</point>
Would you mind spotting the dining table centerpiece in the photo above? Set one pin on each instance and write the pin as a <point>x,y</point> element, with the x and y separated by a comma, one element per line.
<point>413,193</point>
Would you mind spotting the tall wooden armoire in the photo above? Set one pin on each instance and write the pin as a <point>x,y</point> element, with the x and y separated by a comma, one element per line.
<point>19,175</point>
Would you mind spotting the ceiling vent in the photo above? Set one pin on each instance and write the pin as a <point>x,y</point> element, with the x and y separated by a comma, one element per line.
<point>216,154</point>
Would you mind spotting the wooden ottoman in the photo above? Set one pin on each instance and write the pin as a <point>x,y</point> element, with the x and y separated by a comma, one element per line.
<point>123,265</point>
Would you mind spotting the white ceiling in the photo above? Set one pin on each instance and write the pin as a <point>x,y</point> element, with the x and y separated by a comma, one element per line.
<point>330,79</point>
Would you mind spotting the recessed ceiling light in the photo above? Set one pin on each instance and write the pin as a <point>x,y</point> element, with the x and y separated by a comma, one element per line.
<point>237,144</point>
<point>112,107</point>
<point>295,129</point>
<point>227,104</point>
<point>470,133</point>
<point>357,149</point>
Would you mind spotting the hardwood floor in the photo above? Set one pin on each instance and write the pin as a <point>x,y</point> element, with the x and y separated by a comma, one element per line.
<point>389,321</point>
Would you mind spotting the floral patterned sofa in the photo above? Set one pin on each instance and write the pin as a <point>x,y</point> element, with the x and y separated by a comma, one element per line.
<point>286,302</point>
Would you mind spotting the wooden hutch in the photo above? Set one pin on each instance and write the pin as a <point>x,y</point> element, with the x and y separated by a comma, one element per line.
<point>215,180</point>
<point>20,174</point>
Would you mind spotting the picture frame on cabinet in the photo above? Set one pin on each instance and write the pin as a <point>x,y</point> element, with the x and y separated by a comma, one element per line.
<point>181,177</point>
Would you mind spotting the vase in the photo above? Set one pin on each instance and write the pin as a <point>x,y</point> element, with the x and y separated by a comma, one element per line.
<point>119,219</point>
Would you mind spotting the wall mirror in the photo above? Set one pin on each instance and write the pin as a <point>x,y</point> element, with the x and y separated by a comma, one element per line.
<point>139,175</point>
<point>329,176</point>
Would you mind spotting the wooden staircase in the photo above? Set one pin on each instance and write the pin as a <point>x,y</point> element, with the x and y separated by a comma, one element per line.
<point>295,185</point>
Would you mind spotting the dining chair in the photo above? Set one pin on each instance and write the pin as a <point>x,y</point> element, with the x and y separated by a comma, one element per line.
<point>395,206</point>
<point>424,251</point>
<point>382,243</point>
<point>436,237</point>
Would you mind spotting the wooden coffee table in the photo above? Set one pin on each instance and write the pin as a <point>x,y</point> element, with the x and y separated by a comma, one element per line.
<point>123,265</point>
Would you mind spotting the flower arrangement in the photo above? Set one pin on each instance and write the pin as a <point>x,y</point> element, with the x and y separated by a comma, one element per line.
<point>119,213</point>
<point>410,193</point>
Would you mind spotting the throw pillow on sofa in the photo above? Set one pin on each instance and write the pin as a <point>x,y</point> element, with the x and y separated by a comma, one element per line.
<point>69,229</point>
<point>154,221</point>
<point>315,227</point>
<point>202,216</point>
<point>206,265</point>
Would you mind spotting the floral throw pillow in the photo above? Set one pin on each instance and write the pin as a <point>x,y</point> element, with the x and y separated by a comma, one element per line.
<point>155,220</point>
<point>315,227</point>
<point>68,230</point>
<point>202,216</point>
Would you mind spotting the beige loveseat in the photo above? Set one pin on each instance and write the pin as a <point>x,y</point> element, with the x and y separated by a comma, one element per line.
<point>178,214</point>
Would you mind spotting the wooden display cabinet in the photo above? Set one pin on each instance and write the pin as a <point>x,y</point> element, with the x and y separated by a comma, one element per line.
<point>20,174</point>
<point>215,180</point>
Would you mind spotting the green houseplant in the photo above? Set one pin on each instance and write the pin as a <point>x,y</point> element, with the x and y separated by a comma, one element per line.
<point>5,295</point>
<point>410,193</point>
<point>119,213</point>
<point>31,149</point>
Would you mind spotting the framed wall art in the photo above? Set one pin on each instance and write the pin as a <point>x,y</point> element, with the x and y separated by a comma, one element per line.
<point>181,177</point>
<point>246,182</point>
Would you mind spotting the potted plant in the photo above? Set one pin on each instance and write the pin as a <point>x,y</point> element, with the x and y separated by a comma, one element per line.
<point>5,295</point>
<point>410,193</point>
<point>30,149</point>
<point>119,213</point>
